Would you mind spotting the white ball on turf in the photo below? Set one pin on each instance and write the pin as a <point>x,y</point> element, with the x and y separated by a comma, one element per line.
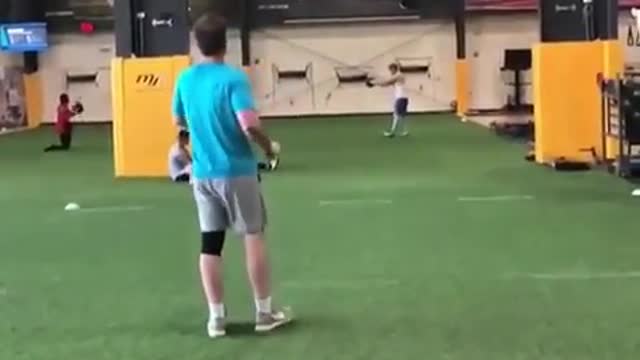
<point>72,207</point>
<point>275,146</point>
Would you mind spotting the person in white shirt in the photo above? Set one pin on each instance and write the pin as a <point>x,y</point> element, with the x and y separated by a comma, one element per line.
<point>400,100</point>
<point>180,159</point>
<point>14,105</point>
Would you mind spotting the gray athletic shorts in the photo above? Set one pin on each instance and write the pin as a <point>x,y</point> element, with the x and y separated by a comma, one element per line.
<point>233,203</point>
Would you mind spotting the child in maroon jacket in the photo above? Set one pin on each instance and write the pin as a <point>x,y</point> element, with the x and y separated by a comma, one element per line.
<point>63,126</point>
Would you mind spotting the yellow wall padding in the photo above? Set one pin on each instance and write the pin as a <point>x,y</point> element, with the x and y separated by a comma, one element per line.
<point>613,67</point>
<point>143,128</point>
<point>613,59</point>
<point>567,100</point>
<point>462,87</point>
<point>33,99</point>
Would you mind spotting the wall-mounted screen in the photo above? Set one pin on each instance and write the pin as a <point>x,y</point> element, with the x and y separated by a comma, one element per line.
<point>230,9</point>
<point>271,12</point>
<point>22,37</point>
<point>290,11</point>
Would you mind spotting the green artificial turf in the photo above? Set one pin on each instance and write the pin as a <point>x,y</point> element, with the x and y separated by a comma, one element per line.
<point>371,246</point>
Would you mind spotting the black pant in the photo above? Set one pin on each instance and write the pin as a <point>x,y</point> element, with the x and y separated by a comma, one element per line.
<point>401,106</point>
<point>65,142</point>
<point>183,178</point>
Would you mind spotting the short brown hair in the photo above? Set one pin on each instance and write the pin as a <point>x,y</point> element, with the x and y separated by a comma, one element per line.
<point>211,34</point>
<point>183,135</point>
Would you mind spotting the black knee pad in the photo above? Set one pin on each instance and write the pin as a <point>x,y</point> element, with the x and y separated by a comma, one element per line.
<point>212,243</point>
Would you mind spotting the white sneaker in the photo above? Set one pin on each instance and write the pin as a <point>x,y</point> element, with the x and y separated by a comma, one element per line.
<point>636,192</point>
<point>269,322</point>
<point>216,328</point>
<point>389,134</point>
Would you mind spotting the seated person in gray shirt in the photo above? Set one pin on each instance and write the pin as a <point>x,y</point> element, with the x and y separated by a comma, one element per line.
<point>180,159</point>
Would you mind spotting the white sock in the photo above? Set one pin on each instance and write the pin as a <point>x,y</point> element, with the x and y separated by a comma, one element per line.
<point>216,311</point>
<point>264,306</point>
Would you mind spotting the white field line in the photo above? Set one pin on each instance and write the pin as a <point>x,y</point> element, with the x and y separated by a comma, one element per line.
<point>342,284</point>
<point>350,202</point>
<point>560,276</point>
<point>111,209</point>
<point>496,198</point>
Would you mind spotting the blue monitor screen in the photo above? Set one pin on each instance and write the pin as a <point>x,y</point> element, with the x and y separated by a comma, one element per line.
<point>21,37</point>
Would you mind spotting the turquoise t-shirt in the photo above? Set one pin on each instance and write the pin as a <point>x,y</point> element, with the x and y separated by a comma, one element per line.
<point>208,96</point>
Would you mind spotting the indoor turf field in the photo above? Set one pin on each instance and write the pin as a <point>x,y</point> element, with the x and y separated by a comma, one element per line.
<point>445,245</point>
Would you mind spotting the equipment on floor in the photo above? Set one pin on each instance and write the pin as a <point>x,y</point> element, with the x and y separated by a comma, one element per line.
<point>568,165</point>
<point>516,131</point>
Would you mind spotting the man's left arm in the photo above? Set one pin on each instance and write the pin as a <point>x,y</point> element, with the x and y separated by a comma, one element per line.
<point>177,108</point>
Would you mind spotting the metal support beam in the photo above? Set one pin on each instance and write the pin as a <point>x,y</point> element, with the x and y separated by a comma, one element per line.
<point>246,25</point>
<point>461,35</point>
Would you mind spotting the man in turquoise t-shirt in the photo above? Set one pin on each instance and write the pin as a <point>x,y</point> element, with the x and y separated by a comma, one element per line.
<point>214,102</point>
